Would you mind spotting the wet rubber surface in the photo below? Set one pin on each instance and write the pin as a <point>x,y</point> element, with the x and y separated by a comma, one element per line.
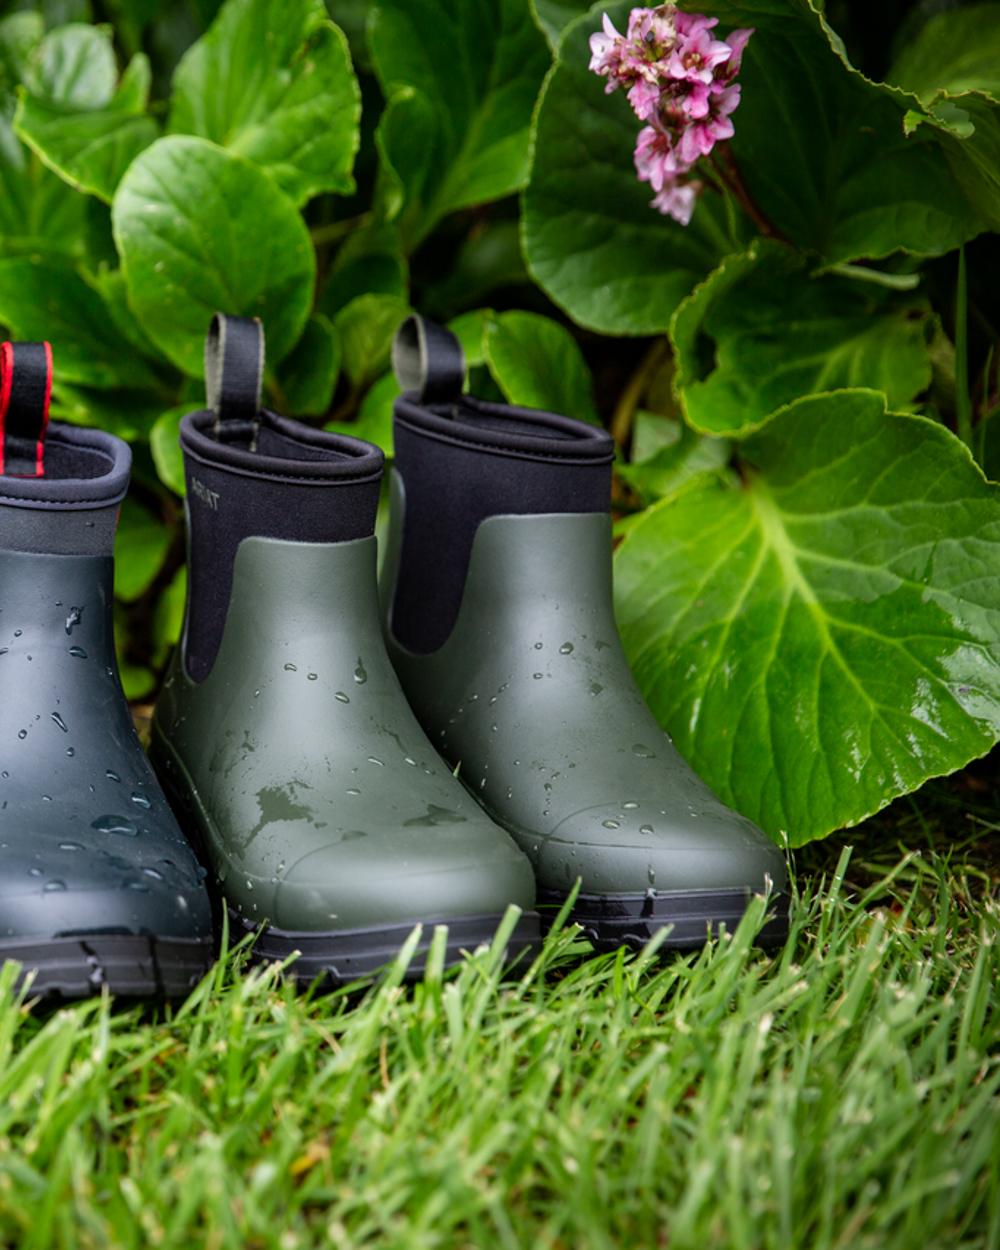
<point>88,844</point>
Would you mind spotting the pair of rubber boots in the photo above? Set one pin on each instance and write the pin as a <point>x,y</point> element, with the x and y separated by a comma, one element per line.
<point>345,778</point>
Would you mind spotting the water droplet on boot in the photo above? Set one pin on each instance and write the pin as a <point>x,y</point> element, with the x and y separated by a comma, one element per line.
<point>140,800</point>
<point>341,697</point>
<point>54,886</point>
<point>290,668</point>
<point>78,653</point>
<point>566,649</point>
<point>630,806</point>
<point>311,676</point>
<point>59,722</point>
<point>610,824</point>
<point>74,619</point>
<point>360,674</point>
<point>112,775</point>
<point>115,824</point>
<point>645,828</point>
<point>644,753</point>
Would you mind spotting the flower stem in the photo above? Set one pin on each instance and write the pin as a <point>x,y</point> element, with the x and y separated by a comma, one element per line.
<point>729,173</point>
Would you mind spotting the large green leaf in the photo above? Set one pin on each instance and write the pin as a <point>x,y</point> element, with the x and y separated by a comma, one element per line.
<point>272,80</point>
<point>309,373</point>
<point>369,262</point>
<point>366,327</point>
<point>675,455</point>
<point>38,212</point>
<point>954,67</point>
<point>91,148</point>
<point>46,299</point>
<point>478,64</point>
<point>200,230</point>
<point>20,35</point>
<point>821,632</point>
<point>590,238</point>
<point>537,363</point>
<point>955,51</point>
<point>406,139</point>
<point>760,332</point>
<point>74,65</point>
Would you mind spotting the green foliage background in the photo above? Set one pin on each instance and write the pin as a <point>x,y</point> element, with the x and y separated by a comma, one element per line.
<point>802,383</point>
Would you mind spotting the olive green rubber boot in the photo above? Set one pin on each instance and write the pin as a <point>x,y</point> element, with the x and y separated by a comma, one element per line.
<point>98,887</point>
<point>282,734</point>
<point>497,592</point>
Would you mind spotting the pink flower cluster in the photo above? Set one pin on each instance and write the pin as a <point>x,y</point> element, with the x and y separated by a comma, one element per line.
<point>680,81</point>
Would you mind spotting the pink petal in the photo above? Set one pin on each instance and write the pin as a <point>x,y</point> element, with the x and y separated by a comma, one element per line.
<point>695,103</point>
<point>726,101</point>
<point>738,40</point>
<point>644,98</point>
<point>678,201</point>
<point>694,23</point>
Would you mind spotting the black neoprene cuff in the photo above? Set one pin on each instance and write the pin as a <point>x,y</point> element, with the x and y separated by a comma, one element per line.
<point>84,469</point>
<point>463,461</point>
<point>298,485</point>
<point>506,430</point>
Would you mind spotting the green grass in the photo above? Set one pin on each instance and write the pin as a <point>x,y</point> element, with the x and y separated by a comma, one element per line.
<point>844,1093</point>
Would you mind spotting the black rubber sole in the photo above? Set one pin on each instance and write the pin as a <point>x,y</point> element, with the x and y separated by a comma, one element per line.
<point>609,921</point>
<point>130,965</point>
<point>338,958</point>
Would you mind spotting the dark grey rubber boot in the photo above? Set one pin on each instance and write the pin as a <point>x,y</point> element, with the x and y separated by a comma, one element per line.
<point>499,619</point>
<point>97,884</point>
<point>282,734</point>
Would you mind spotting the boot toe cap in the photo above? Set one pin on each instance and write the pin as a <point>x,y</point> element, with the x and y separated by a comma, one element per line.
<point>137,904</point>
<point>630,851</point>
<point>350,885</point>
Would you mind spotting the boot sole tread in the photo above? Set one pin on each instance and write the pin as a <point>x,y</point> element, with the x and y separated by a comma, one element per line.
<point>609,921</point>
<point>70,966</point>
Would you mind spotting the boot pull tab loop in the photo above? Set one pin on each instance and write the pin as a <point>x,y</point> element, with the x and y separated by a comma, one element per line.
<point>234,371</point>
<point>25,395</point>
<point>428,361</point>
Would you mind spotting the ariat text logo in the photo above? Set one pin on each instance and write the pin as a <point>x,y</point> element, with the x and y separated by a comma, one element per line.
<point>211,497</point>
